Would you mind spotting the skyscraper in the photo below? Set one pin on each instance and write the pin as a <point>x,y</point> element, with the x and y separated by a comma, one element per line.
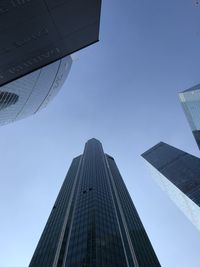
<point>190,101</point>
<point>178,174</point>
<point>93,222</point>
<point>29,94</point>
<point>35,33</point>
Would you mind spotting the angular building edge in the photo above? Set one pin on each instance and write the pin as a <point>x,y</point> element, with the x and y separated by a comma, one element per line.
<point>182,188</point>
<point>190,102</point>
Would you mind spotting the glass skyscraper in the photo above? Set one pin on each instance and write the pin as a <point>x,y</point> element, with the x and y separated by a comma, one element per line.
<point>190,101</point>
<point>178,174</point>
<point>35,33</point>
<point>93,222</point>
<point>27,95</point>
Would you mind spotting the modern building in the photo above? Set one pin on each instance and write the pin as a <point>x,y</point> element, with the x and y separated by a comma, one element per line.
<point>93,222</point>
<point>190,101</point>
<point>178,174</point>
<point>35,33</point>
<point>27,95</point>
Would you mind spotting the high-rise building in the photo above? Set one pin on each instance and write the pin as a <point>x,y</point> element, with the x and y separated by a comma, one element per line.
<point>190,101</point>
<point>29,94</point>
<point>35,33</point>
<point>93,222</point>
<point>178,174</point>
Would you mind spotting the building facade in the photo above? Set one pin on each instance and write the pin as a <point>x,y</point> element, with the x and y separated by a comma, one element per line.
<point>93,222</point>
<point>27,95</point>
<point>35,33</point>
<point>190,101</point>
<point>178,174</point>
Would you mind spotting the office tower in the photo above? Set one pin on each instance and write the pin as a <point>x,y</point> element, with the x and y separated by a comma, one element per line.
<point>35,33</point>
<point>190,101</point>
<point>93,222</point>
<point>178,174</point>
<point>29,94</point>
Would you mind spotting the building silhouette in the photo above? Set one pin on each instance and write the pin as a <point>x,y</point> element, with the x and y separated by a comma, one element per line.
<point>178,174</point>
<point>29,94</point>
<point>190,101</point>
<point>93,222</point>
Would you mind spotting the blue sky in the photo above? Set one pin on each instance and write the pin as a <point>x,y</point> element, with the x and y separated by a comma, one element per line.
<point>122,91</point>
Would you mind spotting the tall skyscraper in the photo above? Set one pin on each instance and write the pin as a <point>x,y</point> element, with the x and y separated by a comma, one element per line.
<point>190,101</point>
<point>35,33</point>
<point>29,94</point>
<point>178,174</point>
<point>93,222</point>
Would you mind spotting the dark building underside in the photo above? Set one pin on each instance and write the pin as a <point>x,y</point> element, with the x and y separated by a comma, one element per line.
<point>34,33</point>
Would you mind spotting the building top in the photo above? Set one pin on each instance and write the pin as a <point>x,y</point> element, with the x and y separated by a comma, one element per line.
<point>193,88</point>
<point>162,154</point>
<point>181,168</point>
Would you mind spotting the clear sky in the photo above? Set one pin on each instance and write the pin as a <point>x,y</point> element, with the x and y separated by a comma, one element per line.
<point>122,91</point>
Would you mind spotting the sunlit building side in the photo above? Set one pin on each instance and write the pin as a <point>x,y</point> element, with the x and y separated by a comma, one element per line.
<point>190,101</point>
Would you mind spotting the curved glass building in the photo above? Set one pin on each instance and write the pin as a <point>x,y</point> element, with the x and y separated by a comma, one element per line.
<point>29,94</point>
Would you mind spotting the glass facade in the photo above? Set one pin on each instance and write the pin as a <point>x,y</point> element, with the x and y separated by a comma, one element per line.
<point>29,94</point>
<point>178,174</point>
<point>190,101</point>
<point>35,33</point>
<point>94,222</point>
